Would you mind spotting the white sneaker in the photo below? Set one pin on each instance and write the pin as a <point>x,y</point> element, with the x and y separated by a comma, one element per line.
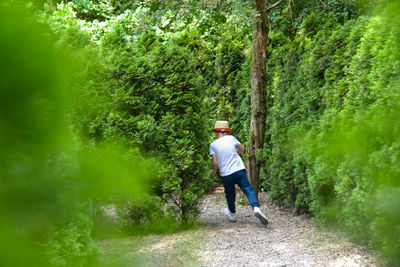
<point>258,213</point>
<point>230,215</point>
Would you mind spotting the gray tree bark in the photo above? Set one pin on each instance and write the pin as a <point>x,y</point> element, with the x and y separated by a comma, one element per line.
<point>258,90</point>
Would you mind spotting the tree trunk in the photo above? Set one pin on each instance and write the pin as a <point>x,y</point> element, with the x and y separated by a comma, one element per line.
<point>258,92</point>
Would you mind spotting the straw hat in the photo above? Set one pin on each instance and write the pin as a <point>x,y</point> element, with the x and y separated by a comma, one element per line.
<point>221,126</point>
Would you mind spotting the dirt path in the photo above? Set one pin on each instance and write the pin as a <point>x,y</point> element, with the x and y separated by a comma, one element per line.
<point>286,241</point>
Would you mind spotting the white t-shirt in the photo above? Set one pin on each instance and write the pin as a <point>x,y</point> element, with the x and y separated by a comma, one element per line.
<point>229,160</point>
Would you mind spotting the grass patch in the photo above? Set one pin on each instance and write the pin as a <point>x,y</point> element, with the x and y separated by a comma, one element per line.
<point>173,249</point>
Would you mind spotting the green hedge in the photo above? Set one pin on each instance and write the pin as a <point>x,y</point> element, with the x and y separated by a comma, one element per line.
<point>332,143</point>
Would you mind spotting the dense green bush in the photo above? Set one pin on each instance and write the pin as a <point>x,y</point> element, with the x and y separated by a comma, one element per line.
<point>147,91</point>
<point>361,142</point>
<point>144,214</point>
<point>163,114</point>
<point>332,141</point>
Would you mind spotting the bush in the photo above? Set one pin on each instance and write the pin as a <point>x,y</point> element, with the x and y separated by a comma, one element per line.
<point>332,143</point>
<point>147,214</point>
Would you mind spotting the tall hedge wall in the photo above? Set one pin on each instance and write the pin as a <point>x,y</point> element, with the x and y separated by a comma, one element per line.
<point>332,144</point>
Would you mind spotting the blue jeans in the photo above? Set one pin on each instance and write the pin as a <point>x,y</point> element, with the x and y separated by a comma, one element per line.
<point>239,178</point>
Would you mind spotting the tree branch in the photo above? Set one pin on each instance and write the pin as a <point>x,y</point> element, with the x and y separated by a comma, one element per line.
<point>176,202</point>
<point>274,5</point>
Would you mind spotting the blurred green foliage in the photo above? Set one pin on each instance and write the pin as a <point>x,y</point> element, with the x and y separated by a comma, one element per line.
<point>47,173</point>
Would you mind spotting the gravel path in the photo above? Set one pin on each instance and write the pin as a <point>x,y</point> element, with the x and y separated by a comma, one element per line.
<point>286,241</point>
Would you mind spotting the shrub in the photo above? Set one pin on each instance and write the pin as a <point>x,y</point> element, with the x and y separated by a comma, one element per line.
<point>332,140</point>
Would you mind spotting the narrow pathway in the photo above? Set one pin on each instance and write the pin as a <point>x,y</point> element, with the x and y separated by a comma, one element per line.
<point>287,240</point>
